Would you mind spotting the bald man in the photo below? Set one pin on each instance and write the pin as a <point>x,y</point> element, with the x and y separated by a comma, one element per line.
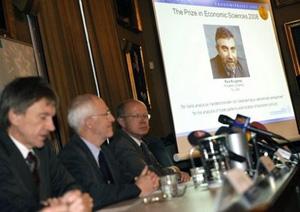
<point>129,144</point>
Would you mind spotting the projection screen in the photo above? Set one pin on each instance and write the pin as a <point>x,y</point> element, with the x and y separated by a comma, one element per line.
<point>198,91</point>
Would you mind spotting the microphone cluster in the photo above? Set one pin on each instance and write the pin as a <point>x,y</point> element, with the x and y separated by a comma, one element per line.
<point>264,140</point>
<point>231,122</point>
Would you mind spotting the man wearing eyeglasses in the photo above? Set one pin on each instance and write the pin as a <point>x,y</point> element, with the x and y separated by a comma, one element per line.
<point>89,160</point>
<point>129,145</point>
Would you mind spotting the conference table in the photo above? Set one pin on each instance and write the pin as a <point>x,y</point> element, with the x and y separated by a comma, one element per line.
<point>269,192</point>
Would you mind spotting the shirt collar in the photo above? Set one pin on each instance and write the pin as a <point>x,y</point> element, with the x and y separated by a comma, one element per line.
<point>93,148</point>
<point>22,148</point>
<point>136,140</point>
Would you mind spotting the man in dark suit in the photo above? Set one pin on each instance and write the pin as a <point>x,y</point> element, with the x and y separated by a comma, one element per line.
<point>29,171</point>
<point>227,64</point>
<point>129,145</point>
<point>90,161</point>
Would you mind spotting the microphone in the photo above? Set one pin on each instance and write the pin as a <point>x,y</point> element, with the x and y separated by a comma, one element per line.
<point>227,120</point>
<point>266,146</point>
<point>195,137</point>
<point>265,135</point>
<point>277,151</point>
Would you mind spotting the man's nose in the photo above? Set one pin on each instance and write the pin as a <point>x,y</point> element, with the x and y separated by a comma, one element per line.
<point>50,125</point>
<point>230,54</point>
<point>143,120</point>
<point>112,118</point>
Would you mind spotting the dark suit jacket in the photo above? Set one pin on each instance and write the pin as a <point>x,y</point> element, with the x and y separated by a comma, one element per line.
<point>131,156</point>
<point>219,71</point>
<point>159,150</point>
<point>17,189</point>
<point>79,160</point>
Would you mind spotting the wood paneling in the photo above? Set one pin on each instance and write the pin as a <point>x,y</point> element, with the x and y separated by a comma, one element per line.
<point>17,27</point>
<point>66,54</point>
<point>161,122</point>
<point>106,49</point>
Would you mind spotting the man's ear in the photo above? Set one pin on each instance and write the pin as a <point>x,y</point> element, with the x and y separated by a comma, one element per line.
<point>87,122</point>
<point>121,122</point>
<point>13,117</point>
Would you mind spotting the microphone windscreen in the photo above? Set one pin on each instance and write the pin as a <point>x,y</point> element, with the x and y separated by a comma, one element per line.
<point>260,137</point>
<point>195,136</point>
<point>258,125</point>
<point>225,119</point>
<point>224,130</point>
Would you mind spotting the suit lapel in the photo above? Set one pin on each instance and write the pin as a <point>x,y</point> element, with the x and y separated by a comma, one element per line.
<point>19,166</point>
<point>90,158</point>
<point>107,155</point>
<point>43,170</point>
<point>147,155</point>
<point>86,153</point>
<point>133,143</point>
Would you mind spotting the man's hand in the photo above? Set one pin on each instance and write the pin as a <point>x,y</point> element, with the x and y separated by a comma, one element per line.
<point>77,201</point>
<point>54,205</point>
<point>184,177</point>
<point>147,181</point>
<point>58,207</point>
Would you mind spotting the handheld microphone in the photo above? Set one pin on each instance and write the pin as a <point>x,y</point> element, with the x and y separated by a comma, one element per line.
<point>227,120</point>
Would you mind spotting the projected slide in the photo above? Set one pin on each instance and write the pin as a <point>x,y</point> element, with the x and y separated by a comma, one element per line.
<point>221,57</point>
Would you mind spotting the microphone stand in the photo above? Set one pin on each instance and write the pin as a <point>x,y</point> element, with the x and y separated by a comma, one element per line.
<point>192,150</point>
<point>258,163</point>
<point>255,147</point>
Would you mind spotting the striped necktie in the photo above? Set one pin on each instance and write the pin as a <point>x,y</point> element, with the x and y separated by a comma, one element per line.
<point>32,163</point>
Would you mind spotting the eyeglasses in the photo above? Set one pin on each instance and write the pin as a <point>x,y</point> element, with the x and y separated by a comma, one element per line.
<point>106,114</point>
<point>137,116</point>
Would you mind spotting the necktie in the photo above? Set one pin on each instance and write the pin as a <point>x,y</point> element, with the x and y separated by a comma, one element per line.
<point>150,160</point>
<point>144,149</point>
<point>104,168</point>
<point>149,157</point>
<point>32,162</point>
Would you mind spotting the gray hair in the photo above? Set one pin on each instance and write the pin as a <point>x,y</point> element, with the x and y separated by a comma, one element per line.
<point>81,107</point>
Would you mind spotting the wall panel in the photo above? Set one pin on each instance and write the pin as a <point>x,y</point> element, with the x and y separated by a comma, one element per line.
<point>66,54</point>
